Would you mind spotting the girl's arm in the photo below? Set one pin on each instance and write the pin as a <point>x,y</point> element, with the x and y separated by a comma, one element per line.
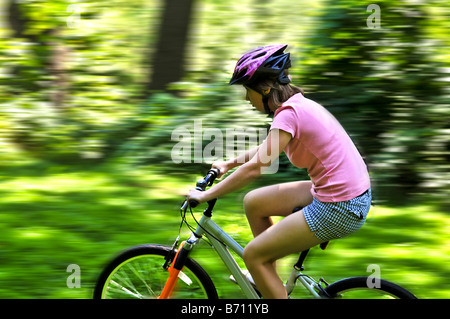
<point>225,166</point>
<point>264,155</point>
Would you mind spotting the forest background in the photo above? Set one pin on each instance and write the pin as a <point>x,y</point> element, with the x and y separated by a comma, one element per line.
<point>91,93</point>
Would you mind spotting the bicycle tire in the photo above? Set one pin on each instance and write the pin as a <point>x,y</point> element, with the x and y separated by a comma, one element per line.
<point>345,288</point>
<point>141,275</point>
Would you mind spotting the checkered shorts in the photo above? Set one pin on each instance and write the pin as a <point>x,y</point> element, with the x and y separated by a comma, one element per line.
<point>339,219</point>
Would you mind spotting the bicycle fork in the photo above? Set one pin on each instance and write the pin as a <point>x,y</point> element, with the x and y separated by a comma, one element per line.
<point>177,265</point>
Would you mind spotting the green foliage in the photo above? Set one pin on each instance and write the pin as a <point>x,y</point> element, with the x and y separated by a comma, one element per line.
<point>387,89</point>
<point>387,86</point>
<point>97,78</point>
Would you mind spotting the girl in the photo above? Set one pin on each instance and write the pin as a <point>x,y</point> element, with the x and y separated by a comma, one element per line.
<point>336,201</point>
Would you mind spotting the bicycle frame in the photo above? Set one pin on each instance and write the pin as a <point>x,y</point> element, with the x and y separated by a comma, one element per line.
<point>207,227</point>
<point>310,284</point>
<point>221,241</point>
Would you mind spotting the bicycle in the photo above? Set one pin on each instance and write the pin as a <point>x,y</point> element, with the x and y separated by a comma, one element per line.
<point>157,271</point>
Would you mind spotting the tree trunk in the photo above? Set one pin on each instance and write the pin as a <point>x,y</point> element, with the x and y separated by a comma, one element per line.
<point>168,62</point>
<point>57,67</point>
<point>54,63</point>
<point>15,19</point>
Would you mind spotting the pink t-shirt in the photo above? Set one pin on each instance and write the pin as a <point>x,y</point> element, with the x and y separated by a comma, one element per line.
<point>322,146</point>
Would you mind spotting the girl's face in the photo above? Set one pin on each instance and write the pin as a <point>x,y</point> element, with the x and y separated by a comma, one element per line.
<point>255,99</point>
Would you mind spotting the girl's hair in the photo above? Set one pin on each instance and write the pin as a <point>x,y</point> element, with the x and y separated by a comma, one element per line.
<point>279,93</point>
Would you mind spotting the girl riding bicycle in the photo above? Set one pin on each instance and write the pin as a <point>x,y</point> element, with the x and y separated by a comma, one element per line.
<point>336,201</point>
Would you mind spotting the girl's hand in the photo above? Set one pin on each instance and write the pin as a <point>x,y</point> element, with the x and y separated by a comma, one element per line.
<point>195,195</point>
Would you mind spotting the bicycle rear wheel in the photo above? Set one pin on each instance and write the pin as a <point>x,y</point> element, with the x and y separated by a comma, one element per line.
<point>357,288</point>
<point>137,273</point>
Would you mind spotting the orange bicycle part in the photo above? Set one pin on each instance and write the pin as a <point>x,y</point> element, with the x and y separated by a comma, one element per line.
<point>173,277</point>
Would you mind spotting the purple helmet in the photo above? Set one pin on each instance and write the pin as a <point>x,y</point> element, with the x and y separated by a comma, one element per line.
<point>262,63</point>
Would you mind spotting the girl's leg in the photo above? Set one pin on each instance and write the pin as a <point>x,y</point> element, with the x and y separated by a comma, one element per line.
<point>275,200</point>
<point>290,235</point>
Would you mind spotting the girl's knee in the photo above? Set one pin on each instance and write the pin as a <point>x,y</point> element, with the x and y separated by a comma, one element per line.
<point>252,255</point>
<point>250,203</point>
<point>249,255</point>
<point>250,252</point>
<point>249,199</point>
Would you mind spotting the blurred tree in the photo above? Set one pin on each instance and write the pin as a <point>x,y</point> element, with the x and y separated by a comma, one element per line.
<point>16,19</point>
<point>49,114</point>
<point>53,55</point>
<point>168,63</point>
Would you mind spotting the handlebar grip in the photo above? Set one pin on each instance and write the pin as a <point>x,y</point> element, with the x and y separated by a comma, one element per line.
<point>207,181</point>
<point>216,171</point>
<point>193,203</point>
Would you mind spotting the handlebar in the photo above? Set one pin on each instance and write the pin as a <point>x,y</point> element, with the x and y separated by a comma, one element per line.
<point>201,185</point>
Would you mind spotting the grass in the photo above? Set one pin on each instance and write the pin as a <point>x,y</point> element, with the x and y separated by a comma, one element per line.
<point>54,216</point>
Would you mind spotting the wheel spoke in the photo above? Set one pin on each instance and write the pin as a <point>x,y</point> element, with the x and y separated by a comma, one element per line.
<point>123,277</point>
<point>138,274</point>
<point>122,288</point>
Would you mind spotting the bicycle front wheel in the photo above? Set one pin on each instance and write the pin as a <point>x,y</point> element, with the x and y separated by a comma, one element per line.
<point>357,288</point>
<point>137,273</point>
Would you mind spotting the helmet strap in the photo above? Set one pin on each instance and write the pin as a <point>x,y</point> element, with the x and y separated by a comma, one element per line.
<point>265,100</point>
